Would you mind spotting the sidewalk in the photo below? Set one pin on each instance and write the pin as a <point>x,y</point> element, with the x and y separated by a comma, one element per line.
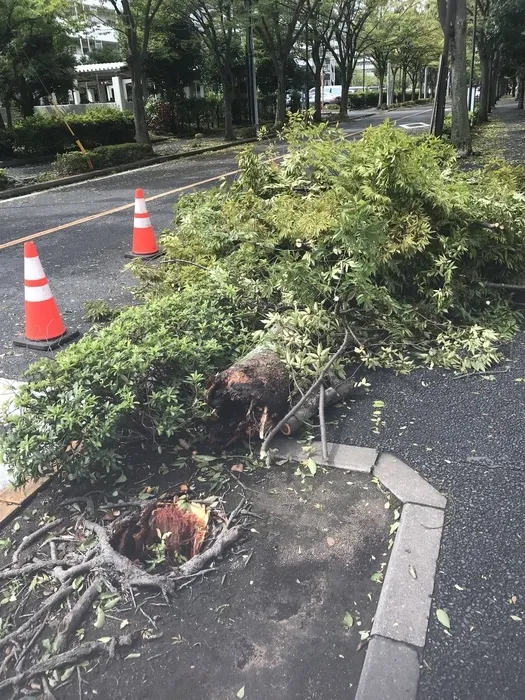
<point>465,436</point>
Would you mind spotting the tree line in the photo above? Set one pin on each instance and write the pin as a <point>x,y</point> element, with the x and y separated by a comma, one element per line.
<point>170,42</point>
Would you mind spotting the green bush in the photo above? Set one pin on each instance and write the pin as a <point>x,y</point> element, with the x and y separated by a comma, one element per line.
<point>384,234</point>
<point>6,144</point>
<point>48,135</point>
<point>101,157</point>
<point>145,371</point>
<point>4,180</point>
<point>185,115</point>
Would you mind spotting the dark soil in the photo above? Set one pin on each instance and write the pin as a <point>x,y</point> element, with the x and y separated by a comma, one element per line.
<point>271,619</point>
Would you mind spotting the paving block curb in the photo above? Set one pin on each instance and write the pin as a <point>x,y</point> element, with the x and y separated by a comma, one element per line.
<point>391,669</point>
<point>356,459</point>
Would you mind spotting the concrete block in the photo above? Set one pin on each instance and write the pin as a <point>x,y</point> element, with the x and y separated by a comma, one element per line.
<point>6,511</point>
<point>405,483</point>
<point>357,459</point>
<point>19,496</point>
<point>390,671</point>
<point>404,605</point>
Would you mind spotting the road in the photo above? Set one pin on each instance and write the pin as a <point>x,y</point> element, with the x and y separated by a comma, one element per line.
<point>83,258</point>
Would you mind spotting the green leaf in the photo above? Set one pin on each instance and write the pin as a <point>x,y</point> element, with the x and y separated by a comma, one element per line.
<point>377,577</point>
<point>412,571</point>
<point>110,604</point>
<point>394,527</point>
<point>105,640</point>
<point>77,582</point>
<point>240,692</point>
<point>101,618</point>
<point>16,526</point>
<point>348,620</point>
<point>133,655</point>
<point>516,617</point>
<point>443,617</point>
<point>312,466</point>
<point>378,404</point>
<point>122,478</point>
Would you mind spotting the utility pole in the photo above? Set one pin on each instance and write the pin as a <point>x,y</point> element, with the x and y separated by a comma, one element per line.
<point>472,57</point>
<point>250,67</point>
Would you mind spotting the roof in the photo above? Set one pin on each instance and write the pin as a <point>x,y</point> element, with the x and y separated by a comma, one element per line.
<point>116,66</point>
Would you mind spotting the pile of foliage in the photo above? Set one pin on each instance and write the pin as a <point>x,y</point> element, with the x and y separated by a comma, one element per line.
<point>48,135</point>
<point>101,157</point>
<point>383,235</point>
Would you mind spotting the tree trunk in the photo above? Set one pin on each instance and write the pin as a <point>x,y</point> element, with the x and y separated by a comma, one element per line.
<point>317,96</point>
<point>137,97</point>
<point>280,108</point>
<point>9,113</point>
<point>26,99</point>
<point>483,113</point>
<point>381,85</point>
<point>250,397</point>
<point>521,90</point>
<point>345,84</point>
<point>460,137</point>
<point>413,78</point>
<point>227,90</point>
<point>403,85</point>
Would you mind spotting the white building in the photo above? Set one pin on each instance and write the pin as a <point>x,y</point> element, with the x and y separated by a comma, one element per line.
<point>99,33</point>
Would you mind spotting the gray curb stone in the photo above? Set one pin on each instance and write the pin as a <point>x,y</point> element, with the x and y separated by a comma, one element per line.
<point>403,671</point>
<point>404,605</point>
<point>405,483</point>
<point>391,669</point>
<point>356,459</point>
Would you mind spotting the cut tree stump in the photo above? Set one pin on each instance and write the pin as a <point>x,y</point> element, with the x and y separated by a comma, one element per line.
<point>249,397</point>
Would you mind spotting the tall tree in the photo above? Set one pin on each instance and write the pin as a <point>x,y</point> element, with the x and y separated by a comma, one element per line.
<point>348,40</point>
<point>135,22</point>
<point>217,21</point>
<point>35,55</point>
<point>321,28</point>
<point>278,25</point>
<point>453,20</point>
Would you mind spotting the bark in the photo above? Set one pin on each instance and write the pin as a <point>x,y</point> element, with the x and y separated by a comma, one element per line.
<point>381,87</point>
<point>460,137</point>
<point>139,110</point>
<point>343,107</point>
<point>521,91</point>
<point>9,113</point>
<point>249,396</point>
<point>227,88</point>
<point>403,85</point>
<point>310,406</point>
<point>483,113</point>
<point>280,107</point>
<point>318,106</point>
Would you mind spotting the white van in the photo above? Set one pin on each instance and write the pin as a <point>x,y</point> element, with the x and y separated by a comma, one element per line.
<point>331,94</point>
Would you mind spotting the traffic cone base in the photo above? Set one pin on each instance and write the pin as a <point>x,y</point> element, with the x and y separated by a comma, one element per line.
<point>143,244</point>
<point>44,327</point>
<point>21,341</point>
<point>144,256</point>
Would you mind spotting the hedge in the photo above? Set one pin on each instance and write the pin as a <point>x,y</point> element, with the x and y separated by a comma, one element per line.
<point>101,157</point>
<point>48,135</point>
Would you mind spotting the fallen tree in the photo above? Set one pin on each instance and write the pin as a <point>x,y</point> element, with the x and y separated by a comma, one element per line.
<point>384,236</point>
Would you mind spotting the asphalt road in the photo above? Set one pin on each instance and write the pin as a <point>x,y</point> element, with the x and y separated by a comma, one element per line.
<point>85,261</point>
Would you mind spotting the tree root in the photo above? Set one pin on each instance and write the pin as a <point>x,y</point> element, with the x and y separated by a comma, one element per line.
<point>28,626</point>
<point>33,537</point>
<point>72,620</point>
<point>68,658</point>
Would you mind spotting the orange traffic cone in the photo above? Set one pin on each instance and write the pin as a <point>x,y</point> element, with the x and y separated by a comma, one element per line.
<point>44,327</point>
<point>144,244</point>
